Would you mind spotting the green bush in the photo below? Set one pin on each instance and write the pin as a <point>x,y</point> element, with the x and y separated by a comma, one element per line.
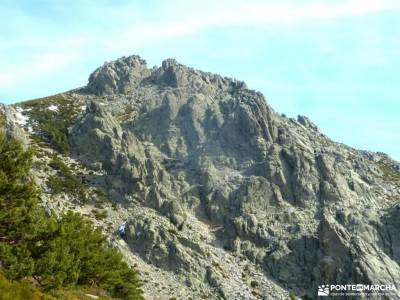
<point>56,253</point>
<point>101,195</point>
<point>388,170</point>
<point>100,214</point>
<point>23,290</point>
<point>65,180</point>
<point>12,290</point>
<point>254,284</point>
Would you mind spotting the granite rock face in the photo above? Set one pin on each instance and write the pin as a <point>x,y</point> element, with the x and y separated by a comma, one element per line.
<point>118,76</point>
<point>13,123</point>
<point>207,166</point>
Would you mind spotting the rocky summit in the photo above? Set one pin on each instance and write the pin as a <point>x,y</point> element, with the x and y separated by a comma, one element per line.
<point>223,198</point>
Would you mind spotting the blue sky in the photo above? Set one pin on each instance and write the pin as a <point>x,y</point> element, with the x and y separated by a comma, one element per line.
<point>336,62</point>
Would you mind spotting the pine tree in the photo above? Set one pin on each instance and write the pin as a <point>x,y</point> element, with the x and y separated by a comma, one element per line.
<point>63,252</point>
<point>19,216</point>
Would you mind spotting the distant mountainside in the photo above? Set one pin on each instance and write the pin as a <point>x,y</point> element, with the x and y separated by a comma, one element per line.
<point>223,197</point>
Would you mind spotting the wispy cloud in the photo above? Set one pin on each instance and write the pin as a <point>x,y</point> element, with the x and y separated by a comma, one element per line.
<point>174,19</point>
<point>191,17</point>
<point>225,13</point>
<point>40,66</point>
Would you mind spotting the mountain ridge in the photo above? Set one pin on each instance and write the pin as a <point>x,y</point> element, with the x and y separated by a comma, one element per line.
<point>213,182</point>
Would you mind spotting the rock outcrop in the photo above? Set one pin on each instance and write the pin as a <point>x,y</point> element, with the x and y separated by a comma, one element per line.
<point>13,123</point>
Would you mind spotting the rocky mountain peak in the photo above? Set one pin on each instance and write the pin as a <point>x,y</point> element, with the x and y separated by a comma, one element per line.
<point>121,76</point>
<point>169,63</point>
<point>118,76</point>
<point>228,198</point>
